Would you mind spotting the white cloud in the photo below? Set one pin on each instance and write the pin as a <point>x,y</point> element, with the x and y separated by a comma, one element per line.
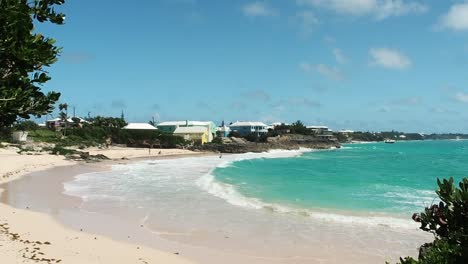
<point>340,58</point>
<point>456,18</point>
<point>329,39</point>
<point>330,72</point>
<point>327,71</point>
<point>380,9</point>
<point>306,67</point>
<point>408,101</point>
<point>258,9</point>
<point>462,97</point>
<point>390,8</point>
<point>307,21</point>
<point>389,58</point>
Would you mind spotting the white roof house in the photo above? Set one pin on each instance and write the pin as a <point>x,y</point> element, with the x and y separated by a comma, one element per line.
<point>183,123</point>
<point>223,128</point>
<point>54,120</point>
<point>317,127</point>
<point>247,124</point>
<point>278,124</point>
<point>69,120</point>
<point>80,120</point>
<point>139,126</point>
<point>191,130</point>
<point>346,131</point>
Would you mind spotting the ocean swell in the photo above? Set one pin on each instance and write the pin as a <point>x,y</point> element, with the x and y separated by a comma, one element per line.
<point>230,194</point>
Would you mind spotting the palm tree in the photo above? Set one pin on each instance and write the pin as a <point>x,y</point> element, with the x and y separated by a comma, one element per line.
<point>64,115</point>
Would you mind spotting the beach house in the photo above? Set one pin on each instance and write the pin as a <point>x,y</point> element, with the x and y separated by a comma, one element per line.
<point>170,127</point>
<point>57,123</point>
<point>139,126</point>
<point>249,127</point>
<point>322,132</point>
<point>196,134</point>
<point>319,130</point>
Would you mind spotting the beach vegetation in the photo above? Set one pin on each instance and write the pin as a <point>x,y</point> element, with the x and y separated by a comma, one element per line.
<point>256,138</point>
<point>64,116</point>
<point>61,150</point>
<point>104,131</point>
<point>341,137</point>
<point>448,222</point>
<point>217,140</point>
<point>24,56</point>
<point>299,128</point>
<point>234,134</point>
<point>26,125</point>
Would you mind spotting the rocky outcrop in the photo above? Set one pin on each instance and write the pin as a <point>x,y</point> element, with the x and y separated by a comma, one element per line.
<point>286,142</point>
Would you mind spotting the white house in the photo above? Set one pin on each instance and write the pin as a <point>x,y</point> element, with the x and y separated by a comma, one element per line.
<point>139,126</point>
<point>319,130</point>
<point>72,121</point>
<point>346,131</point>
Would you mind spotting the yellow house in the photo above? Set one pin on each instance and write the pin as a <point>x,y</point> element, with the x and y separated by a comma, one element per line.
<point>197,134</point>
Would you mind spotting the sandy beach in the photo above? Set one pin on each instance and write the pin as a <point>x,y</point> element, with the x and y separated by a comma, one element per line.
<point>40,221</point>
<point>31,237</point>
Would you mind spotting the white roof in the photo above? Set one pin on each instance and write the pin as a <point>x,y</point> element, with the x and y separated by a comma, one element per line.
<point>223,128</point>
<point>139,126</point>
<point>247,123</point>
<point>346,131</point>
<point>81,120</point>
<point>278,123</point>
<point>70,120</point>
<point>182,123</point>
<point>190,130</point>
<point>317,127</point>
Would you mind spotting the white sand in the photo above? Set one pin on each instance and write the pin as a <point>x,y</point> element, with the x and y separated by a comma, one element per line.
<point>66,245</point>
<point>131,153</point>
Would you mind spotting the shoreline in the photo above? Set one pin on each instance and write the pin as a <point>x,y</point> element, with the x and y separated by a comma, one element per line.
<point>18,226</point>
<point>159,239</point>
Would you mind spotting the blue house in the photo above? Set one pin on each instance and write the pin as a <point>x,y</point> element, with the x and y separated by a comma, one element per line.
<point>246,128</point>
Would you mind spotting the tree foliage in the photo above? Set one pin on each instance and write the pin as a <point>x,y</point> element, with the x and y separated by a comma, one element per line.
<point>24,55</point>
<point>26,126</point>
<point>448,222</point>
<point>299,128</point>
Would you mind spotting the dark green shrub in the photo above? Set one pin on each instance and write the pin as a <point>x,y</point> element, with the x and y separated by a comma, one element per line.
<point>26,126</point>
<point>448,221</point>
<point>217,140</point>
<point>170,141</point>
<point>299,128</point>
<point>234,134</point>
<point>252,137</point>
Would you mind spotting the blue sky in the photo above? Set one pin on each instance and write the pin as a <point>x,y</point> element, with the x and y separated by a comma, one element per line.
<point>355,64</point>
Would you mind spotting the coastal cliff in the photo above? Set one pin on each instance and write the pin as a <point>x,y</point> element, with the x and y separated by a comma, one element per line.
<point>286,142</point>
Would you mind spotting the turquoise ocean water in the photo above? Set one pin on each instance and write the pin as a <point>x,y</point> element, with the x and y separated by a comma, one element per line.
<point>354,202</point>
<point>382,178</point>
